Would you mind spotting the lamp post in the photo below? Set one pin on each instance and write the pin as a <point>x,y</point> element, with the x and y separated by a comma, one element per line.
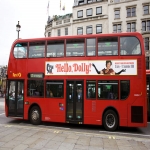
<point>18,26</point>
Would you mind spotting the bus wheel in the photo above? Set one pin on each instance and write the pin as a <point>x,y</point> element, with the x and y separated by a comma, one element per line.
<point>35,115</point>
<point>110,120</point>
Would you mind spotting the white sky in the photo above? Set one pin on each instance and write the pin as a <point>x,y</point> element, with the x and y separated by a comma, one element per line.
<point>32,15</point>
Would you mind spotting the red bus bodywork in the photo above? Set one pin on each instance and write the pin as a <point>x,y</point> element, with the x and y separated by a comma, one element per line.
<point>93,109</point>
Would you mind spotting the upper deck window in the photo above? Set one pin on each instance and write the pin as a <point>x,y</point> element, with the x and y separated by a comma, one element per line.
<point>91,47</point>
<point>36,49</point>
<point>108,46</point>
<point>55,49</point>
<point>75,47</point>
<point>129,46</point>
<point>20,50</point>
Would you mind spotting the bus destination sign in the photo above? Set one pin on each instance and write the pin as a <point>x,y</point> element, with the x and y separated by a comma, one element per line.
<point>36,75</point>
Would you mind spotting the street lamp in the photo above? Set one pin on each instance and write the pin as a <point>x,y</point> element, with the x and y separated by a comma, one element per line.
<point>18,26</point>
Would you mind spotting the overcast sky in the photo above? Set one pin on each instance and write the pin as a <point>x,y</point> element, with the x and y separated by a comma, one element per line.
<point>32,15</point>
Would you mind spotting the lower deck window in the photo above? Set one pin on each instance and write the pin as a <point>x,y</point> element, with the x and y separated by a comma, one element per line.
<point>125,89</point>
<point>108,89</point>
<point>35,88</point>
<point>54,88</point>
<point>91,89</point>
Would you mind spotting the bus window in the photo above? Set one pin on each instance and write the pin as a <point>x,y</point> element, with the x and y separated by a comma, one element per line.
<point>90,47</point>
<point>91,89</point>
<point>55,49</point>
<point>124,89</point>
<point>75,47</point>
<point>108,90</point>
<point>36,49</point>
<point>108,46</point>
<point>35,88</point>
<point>129,46</point>
<point>54,88</point>
<point>20,50</point>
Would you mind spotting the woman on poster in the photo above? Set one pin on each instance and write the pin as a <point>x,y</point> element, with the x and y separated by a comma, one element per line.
<point>108,69</point>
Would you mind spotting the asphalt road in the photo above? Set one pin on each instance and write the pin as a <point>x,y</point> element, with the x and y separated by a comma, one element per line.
<point>123,131</point>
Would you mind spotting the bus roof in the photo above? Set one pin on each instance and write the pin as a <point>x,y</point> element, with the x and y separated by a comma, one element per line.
<point>79,36</point>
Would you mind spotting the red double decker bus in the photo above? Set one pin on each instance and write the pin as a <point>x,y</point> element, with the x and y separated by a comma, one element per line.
<point>89,79</point>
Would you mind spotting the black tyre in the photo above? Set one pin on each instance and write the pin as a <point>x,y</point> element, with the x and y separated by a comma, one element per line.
<point>110,120</point>
<point>35,115</point>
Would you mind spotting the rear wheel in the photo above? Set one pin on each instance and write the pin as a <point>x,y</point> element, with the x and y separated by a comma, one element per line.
<point>35,115</point>
<point>110,120</point>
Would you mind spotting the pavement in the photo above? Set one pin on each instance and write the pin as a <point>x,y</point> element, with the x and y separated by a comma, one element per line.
<point>25,137</point>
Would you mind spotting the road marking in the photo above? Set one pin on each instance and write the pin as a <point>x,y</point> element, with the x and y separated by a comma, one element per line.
<point>23,123</point>
<point>8,126</point>
<point>112,137</point>
<point>124,133</point>
<point>55,127</point>
<point>56,131</point>
<point>2,114</point>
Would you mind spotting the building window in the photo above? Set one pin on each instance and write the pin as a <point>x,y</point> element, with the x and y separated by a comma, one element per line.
<point>117,28</point>
<point>117,1</point>
<point>117,14</point>
<point>66,31</point>
<point>99,28</point>
<point>131,12</point>
<point>81,2</point>
<point>89,1</point>
<point>58,32</point>
<point>131,27</point>
<point>80,13</point>
<point>89,30</point>
<point>89,12</point>
<point>146,25</point>
<point>49,34</point>
<point>147,43</point>
<point>98,10</point>
<point>79,31</point>
<point>146,9</point>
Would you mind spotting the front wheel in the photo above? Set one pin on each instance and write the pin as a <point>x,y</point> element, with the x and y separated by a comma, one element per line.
<point>110,120</point>
<point>35,115</point>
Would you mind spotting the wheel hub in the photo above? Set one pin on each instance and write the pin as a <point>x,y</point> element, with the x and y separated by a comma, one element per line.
<point>35,115</point>
<point>110,120</point>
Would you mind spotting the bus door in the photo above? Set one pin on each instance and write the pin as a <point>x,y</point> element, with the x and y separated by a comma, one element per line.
<point>15,98</point>
<point>74,102</point>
